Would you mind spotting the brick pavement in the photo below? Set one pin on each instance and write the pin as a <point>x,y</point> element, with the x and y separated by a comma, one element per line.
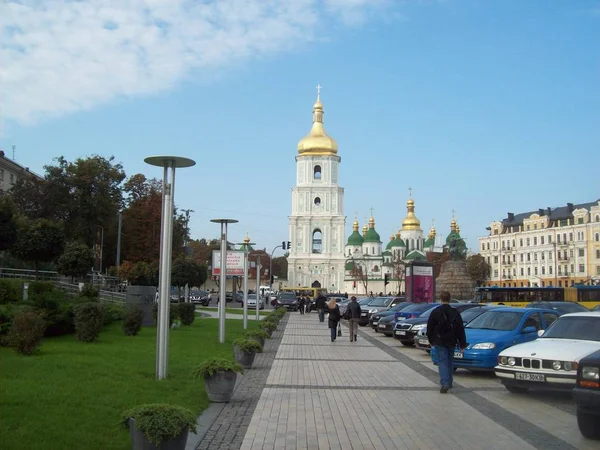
<point>370,395</point>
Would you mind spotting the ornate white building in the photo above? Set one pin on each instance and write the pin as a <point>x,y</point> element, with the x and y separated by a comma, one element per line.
<point>317,222</point>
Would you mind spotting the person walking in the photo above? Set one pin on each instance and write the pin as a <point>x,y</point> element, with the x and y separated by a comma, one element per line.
<point>301,304</point>
<point>445,331</point>
<point>320,305</point>
<point>334,318</point>
<point>353,312</point>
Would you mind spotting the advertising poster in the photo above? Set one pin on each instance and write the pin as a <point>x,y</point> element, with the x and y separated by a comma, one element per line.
<point>420,287</point>
<point>235,263</point>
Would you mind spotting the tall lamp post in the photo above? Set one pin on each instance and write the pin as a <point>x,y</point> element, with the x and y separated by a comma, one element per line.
<point>271,268</point>
<point>246,244</point>
<point>223,275</point>
<point>169,164</point>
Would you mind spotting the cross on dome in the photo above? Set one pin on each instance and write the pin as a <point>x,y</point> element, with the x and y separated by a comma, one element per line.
<point>319,87</point>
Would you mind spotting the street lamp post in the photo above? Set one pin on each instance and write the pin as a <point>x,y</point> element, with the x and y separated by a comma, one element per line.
<point>169,164</point>
<point>246,245</point>
<point>223,276</point>
<point>258,266</point>
<point>271,269</point>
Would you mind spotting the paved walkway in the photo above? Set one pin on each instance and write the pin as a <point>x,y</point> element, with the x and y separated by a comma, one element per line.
<point>371,395</point>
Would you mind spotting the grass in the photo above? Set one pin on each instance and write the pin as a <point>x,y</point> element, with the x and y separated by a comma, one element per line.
<point>239,311</point>
<point>71,394</point>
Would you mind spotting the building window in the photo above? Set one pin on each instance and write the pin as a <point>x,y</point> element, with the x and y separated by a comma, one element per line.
<point>581,252</point>
<point>534,241</point>
<point>495,259</point>
<point>521,242</point>
<point>543,255</point>
<point>514,272</point>
<point>317,241</point>
<point>550,270</point>
<point>528,227</point>
<point>528,256</point>
<point>528,242</point>
<point>317,172</point>
<point>559,283</point>
<point>488,245</point>
<point>12,179</point>
<point>521,257</point>
<point>535,256</point>
<point>581,268</point>
<point>542,240</point>
<point>580,220</point>
<point>550,255</point>
<point>514,258</point>
<point>597,270</point>
<point>597,238</point>
<point>549,239</point>
<point>597,254</point>
<point>2,177</point>
<point>597,218</point>
<point>535,270</point>
<point>522,271</point>
<point>503,259</point>
<point>317,201</point>
<point>558,237</point>
<point>572,268</point>
<point>543,270</point>
<point>535,226</point>
<point>570,236</point>
<point>571,253</point>
<point>482,246</point>
<point>529,271</point>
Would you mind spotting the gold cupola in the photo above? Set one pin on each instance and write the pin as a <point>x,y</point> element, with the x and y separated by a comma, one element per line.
<point>432,232</point>
<point>365,230</point>
<point>247,239</point>
<point>453,225</point>
<point>411,222</point>
<point>355,225</point>
<point>317,142</point>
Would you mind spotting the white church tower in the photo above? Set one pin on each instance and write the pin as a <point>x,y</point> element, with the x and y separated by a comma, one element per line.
<point>317,223</point>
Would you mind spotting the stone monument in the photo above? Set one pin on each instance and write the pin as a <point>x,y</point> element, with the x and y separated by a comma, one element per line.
<point>454,277</point>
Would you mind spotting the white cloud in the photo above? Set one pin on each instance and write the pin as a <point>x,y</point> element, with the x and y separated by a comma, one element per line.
<point>60,57</point>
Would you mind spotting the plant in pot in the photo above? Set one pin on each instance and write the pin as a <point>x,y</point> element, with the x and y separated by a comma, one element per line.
<point>245,350</point>
<point>268,327</point>
<point>219,378</point>
<point>257,335</point>
<point>159,426</point>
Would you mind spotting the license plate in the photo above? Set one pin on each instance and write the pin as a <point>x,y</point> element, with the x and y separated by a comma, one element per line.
<point>530,377</point>
<point>363,314</point>
<point>401,318</point>
<point>400,333</point>
<point>382,325</point>
<point>459,355</point>
<point>424,341</point>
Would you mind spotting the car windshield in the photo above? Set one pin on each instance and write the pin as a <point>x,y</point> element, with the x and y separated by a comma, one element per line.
<point>365,301</point>
<point>471,313</point>
<point>582,328</point>
<point>497,320</point>
<point>287,296</point>
<point>400,306</point>
<point>418,307</point>
<point>380,301</point>
<point>251,296</point>
<point>427,313</point>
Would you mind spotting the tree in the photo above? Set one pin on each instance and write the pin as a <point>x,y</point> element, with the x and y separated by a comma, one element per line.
<point>478,268</point>
<point>399,270</point>
<point>203,248</point>
<point>438,260</point>
<point>39,240</point>
<point>280,267</point>
<point>76,260</point>
<point>185,271</point>
<point>139,273</point>
<point>359,272</point>
<point>8,224</point>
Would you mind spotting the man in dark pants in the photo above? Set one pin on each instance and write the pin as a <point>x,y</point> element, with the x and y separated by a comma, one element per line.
<point>446,331</point>
<point>353,314</point>
<point>320,305</point>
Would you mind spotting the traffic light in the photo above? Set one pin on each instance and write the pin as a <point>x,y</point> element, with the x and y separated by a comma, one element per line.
<point>386,279</point>
<point>283,245</point>
<point>289,245</point>
<point>272,279</point>
<point>354,284</point>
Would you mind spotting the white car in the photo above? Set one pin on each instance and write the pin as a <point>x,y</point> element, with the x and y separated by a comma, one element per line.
<point>252,302</point>
<point>550,361</point>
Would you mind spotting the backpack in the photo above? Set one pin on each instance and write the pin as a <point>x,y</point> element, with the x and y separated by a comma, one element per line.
<point>445,328</point>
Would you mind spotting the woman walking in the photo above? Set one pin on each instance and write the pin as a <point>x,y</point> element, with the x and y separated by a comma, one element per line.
<point>334,318</point>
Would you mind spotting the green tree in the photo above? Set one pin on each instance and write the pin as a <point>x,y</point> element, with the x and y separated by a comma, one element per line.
<point>203,248</point>
<point>39,240</point>
<point>140,273</point>
<point>76,260</point>
<point>478,268</point>
<point>185,271</point>
<point>8,224</point>
<point>280,267</point>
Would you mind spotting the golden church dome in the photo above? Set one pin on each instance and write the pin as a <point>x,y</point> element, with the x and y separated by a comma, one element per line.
<point>317,142</point>
<point>411,222</point>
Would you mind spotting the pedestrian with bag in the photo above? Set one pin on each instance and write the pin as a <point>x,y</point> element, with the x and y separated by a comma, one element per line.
<point>320,305</point>
<point>353,315</point>
<point>446,332</point>
<point>301,304</point>
<point>334,318</point>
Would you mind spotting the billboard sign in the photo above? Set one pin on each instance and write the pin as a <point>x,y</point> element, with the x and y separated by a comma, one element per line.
<point>235,263</point>
<point>420,284</point>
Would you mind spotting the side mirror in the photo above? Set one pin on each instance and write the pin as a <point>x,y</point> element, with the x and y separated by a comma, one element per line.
<point>528,330</point>
<point>540,332</point>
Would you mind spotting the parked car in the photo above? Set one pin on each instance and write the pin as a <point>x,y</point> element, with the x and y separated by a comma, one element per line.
<point>587,396</point>
<point>561,307</point>
<point>252,302</point>
<point>407,329</point>
<point>200,297</point>
<point>287,300</point>
<point>551,361</point>
<point>374,320</point>
<point>378,304</point>
<point>413,311</point>
<point>229,296</point>
<point>364,313</point>
<point>496,330</point>
<point>421,339</point>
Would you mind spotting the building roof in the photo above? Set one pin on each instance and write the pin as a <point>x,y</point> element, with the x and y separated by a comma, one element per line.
<point>558,213</point>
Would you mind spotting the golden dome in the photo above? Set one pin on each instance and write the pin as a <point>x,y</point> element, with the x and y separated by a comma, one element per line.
<point>411,222</point>
<point>432,232</point>
<point>398,234</point>
<point>453,225</point>
<point>247,239</point>
<point>458,228</point>
<point>365,229</point>
<point>317,142</point>
<point>355,225</point>
<point>372,222</point>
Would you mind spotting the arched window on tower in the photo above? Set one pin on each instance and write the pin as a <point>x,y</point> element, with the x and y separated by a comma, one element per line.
<point>317,241</point>
<point>317,172</point>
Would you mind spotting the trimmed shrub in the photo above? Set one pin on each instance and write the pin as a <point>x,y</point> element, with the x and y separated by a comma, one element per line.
<point>173,312</point>
<point>26,332</point>
<point>160,421</point>
<point>7,314</point>
<point>132,324</point>
<point>268,326</point>
<point>89,291</point>
<point>11,291</point>
<point>213,365</point>
<point>39,290</point>
<point>187,313</point>
<point>247,345</point>
<point>89,319</point>
<point>113,312</point>
<point>259,334</point>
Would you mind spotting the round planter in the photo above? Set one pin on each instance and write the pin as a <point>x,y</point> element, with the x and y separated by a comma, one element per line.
<point>244,358</point>
<point>261,341</point>
<point>220,386</point>
<point>269,332</point>
<point>140,442</point>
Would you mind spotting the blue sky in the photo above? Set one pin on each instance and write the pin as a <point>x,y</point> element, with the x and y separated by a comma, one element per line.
<point>483,107</point>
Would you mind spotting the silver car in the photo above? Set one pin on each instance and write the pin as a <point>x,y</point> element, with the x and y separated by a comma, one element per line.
<point>252,302</point>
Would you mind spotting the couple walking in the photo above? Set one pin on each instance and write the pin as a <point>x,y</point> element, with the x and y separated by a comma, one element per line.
<point>352,314</point>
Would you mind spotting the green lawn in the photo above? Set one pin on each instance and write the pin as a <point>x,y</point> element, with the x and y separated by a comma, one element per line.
<point>71,395</point>
<point>239,311</point>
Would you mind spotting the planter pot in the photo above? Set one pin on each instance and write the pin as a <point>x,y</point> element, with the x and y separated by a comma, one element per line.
<point>269,332</point>
<point>261,341</point>
<point>220,386</point>
<point>244,358</point>
<point>140,442</point>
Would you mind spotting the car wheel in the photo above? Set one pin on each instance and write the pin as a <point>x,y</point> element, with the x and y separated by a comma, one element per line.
<point>408,343</point>
<point>588,424</point>
<point>515,389</point>
<point>376,330</point>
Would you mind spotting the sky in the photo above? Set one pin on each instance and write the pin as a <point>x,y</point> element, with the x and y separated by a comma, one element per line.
<point>482,107</point>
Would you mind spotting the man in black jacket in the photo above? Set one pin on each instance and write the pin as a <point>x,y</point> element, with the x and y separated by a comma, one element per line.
<point>320,305</point>
<point>353,314</point>
<point>445,331</point>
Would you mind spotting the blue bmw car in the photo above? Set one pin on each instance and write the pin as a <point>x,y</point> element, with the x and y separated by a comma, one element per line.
<point>495,330</point>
